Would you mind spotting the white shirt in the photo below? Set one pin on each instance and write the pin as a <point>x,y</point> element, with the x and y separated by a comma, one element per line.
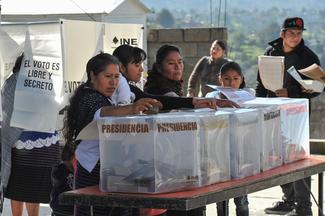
<point>123,94</point>
<point>87,152</point>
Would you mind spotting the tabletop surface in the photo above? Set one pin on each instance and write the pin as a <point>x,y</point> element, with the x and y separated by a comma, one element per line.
<point>190,199</point>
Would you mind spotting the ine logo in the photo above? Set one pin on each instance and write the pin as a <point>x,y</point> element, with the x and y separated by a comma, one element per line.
<point>128,41</point>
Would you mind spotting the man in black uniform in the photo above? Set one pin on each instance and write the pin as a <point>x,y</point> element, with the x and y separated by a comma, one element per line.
<point>296,198</point>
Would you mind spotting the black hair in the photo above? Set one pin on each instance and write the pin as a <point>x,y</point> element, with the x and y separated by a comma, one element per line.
<point>163,52</point>
<point>95,65</point>
<point>221,44</point>
<point>128,54</point>
<point>98,63</point>
<point>233,66</point>
<point>17,65</point>
<point>161,55</point>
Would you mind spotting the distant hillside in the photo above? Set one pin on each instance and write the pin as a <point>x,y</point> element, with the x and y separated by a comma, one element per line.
<point>204,5</point>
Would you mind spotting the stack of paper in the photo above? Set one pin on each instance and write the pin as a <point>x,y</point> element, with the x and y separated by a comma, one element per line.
<point>238,96</point>
<point>314,85</point>
<point>271,69</point>
<point>314,72</point>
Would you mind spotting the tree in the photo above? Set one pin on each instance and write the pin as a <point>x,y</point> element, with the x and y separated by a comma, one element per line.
<point>166,19</point>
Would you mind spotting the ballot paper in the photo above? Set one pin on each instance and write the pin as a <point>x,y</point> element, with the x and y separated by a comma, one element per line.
<point>314,85</point>
<point>271,69</point>
<point>238,96</point>
<point>314,72</point>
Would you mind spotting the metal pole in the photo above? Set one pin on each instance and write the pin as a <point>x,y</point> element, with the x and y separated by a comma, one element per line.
<point>219,13</point>
<point>225,19</point>
<point>320,193</point>
<point>0,12</point>
<point>210,13</point>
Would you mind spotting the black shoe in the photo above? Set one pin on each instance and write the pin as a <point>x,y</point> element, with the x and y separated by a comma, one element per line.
<point>300,213</point>
<point>280,208</point>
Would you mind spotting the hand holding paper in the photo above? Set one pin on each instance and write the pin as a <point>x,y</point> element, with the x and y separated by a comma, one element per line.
<point>310,86</point>
<point>314,72</point>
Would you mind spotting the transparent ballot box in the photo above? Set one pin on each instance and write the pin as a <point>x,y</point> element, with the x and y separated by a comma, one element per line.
<point>245,139</point>
<point>215,147</point>
<point>271,146</point>
<point>149,154</point>
<point>294,116</point>
<point>214,144</point>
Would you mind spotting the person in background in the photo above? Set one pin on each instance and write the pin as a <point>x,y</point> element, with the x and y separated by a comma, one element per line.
<point>27,157</point>
<point>206,69</point>
<point>90,101</point>
<point>165,77</point>
<point>231,76</point>
<point>296,198</point>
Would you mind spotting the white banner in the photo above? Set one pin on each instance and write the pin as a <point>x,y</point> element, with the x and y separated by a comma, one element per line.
<point>39,85</point>
<point>81,40</point>
<point>119,34</point>
<point>10,50</point>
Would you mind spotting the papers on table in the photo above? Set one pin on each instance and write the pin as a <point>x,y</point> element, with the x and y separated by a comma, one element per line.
<point>271,69</point>
<point>314,85</point>
<point>238,96</point>
<point>314,72</point>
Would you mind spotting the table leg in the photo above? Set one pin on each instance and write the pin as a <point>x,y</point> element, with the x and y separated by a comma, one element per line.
<point>91,210</point>
<point>320,194</point>
<point>225,207</point>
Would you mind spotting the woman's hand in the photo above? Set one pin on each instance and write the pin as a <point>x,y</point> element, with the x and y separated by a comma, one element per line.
<point>205,103</point>
<point>281,92</point>
<point>226,103</point>
<point>145,104</point>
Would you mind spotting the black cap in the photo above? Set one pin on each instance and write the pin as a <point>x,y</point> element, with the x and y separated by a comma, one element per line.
<point>293,22</point>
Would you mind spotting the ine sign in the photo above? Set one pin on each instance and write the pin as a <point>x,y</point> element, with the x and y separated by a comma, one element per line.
<point>119,34</point>
<point>128,41</point>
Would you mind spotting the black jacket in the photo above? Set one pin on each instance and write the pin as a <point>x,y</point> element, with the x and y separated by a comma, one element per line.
<point>62,180</point>
<point>160,85</point>
<point>167,101</point>
<point>301,57</point>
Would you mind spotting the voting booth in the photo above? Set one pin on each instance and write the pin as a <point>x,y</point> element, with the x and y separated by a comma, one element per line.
<point>294,114</point>
<point>54,64</point>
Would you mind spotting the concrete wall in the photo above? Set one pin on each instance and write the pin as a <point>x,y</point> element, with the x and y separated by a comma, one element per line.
<point>317,118</point>
<point>194,43</point>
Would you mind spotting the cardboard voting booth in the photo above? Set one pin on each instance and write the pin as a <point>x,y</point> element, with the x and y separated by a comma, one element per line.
<point>54,64</point>
<point>294,116</point>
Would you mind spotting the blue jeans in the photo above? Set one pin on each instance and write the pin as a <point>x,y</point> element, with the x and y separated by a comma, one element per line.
<point>241,206</point>
<point>298,192</point>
